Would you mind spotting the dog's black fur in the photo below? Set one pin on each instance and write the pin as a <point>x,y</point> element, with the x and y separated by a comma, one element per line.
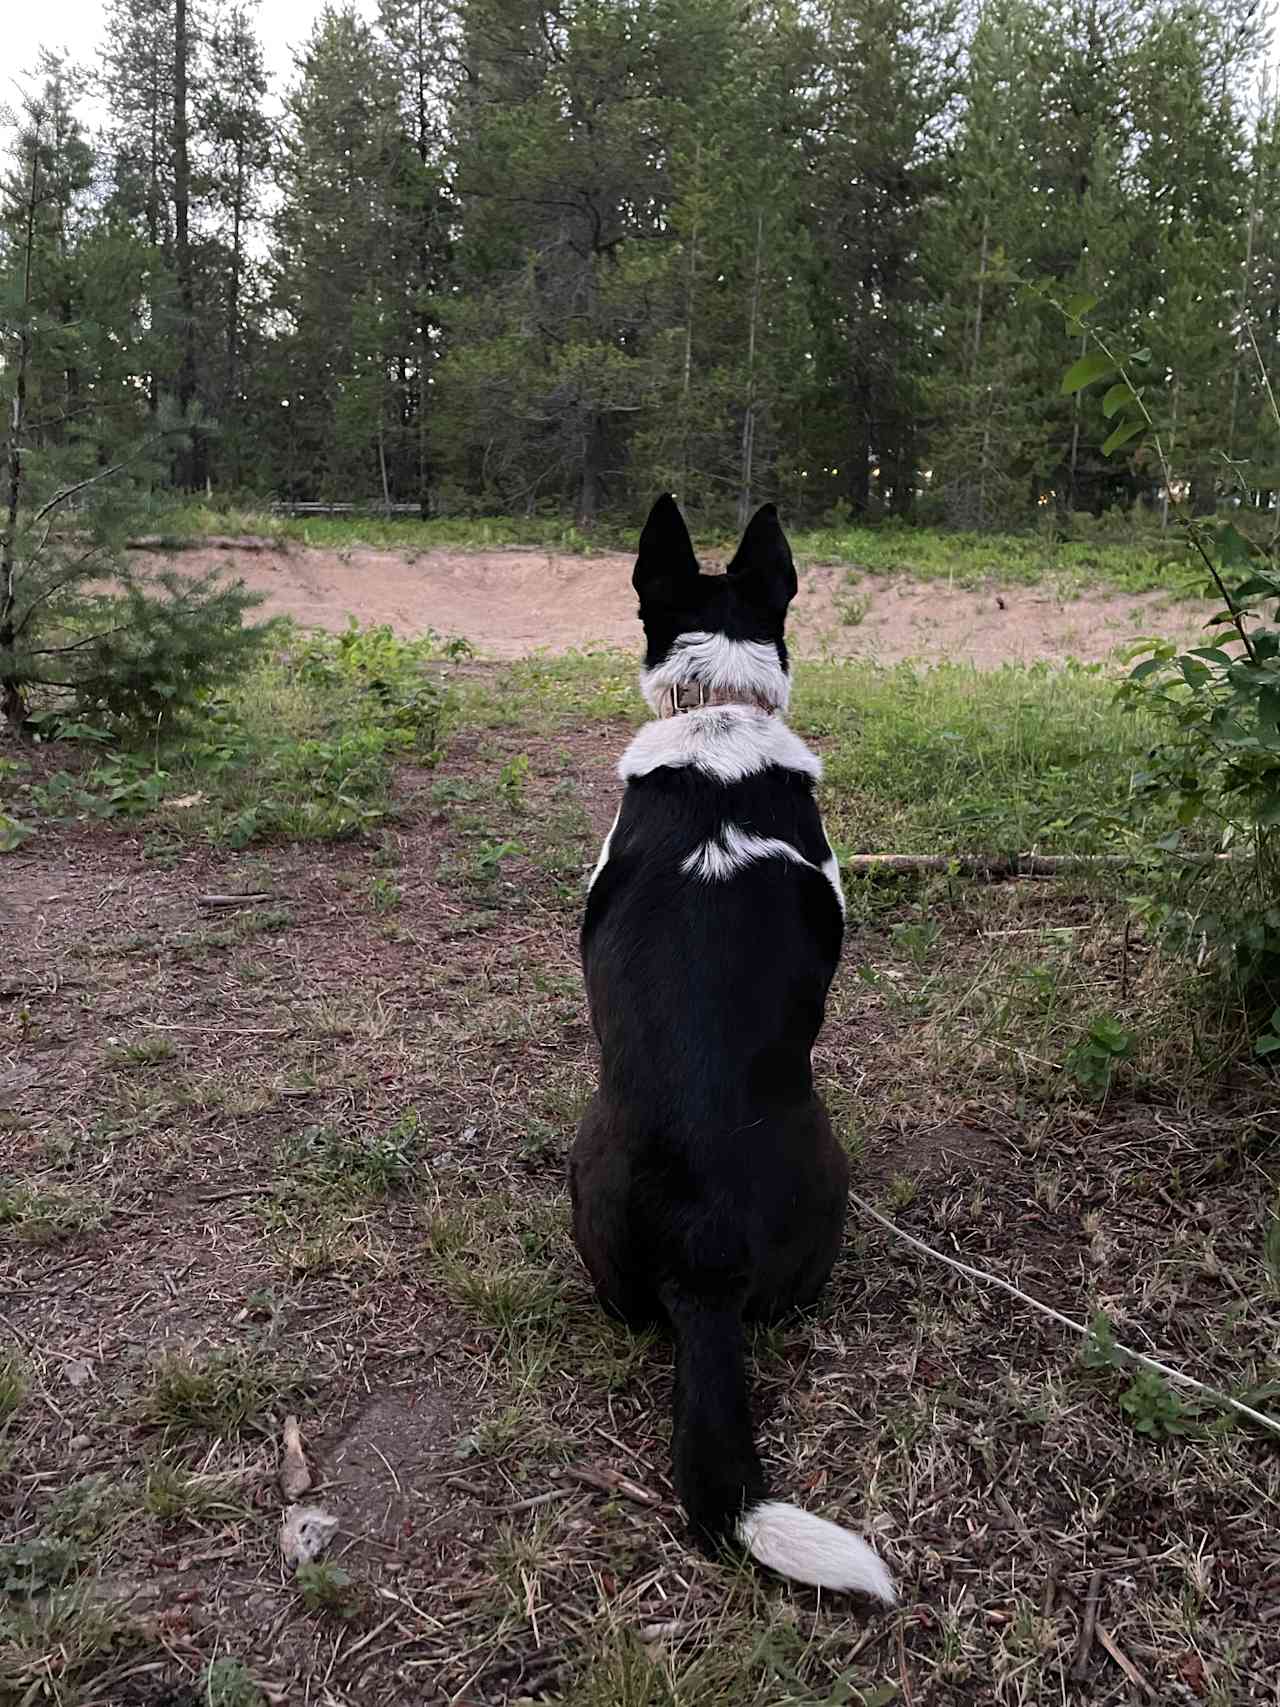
<point>707,1184</point>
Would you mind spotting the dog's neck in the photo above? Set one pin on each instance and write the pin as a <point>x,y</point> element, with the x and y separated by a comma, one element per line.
<point>682,697</point>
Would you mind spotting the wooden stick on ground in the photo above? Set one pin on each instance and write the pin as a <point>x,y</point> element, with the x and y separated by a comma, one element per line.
<point>1084,1648</point>
<point>997,865</point>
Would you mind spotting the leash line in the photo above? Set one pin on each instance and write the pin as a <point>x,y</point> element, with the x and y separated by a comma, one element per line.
<point>1124,1351</point>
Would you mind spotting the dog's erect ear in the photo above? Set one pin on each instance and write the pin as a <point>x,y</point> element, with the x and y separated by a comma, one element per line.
<point>762,568</point>
<point>666,558</point>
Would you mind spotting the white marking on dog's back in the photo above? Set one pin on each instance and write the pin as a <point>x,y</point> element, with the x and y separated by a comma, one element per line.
<point>831,871</point>
<point>604,851</point>
<point>809,1549</point>
<point>727,742</point>
<point>733,849</point>
<point>749,667</point>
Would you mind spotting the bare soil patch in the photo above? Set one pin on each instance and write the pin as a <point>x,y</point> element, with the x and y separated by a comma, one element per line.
<point>512,603</point>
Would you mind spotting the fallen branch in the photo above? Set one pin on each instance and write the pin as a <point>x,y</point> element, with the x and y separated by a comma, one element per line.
<point>610,1482</point>
<point>1122,1351</point>
<point>251,900</point>
<point>1084,1647</point>
<point>1124,1662</point>
<point>999,865</point>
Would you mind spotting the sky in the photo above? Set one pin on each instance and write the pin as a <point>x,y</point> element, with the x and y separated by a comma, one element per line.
<point>76,25</point>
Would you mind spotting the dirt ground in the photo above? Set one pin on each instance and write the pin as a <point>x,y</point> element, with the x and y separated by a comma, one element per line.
<point>307,1153</point>
<point>510,603</point>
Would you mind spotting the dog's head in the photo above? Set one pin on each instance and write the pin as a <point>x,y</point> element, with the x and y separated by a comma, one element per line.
<point>719,633</point>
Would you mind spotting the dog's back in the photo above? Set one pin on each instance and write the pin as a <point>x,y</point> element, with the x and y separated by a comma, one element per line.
<point>707,1184</point>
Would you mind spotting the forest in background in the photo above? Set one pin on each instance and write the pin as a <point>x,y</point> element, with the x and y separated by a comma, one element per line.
<point>523,257</point>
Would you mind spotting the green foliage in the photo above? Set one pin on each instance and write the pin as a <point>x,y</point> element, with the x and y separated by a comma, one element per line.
<point>1271,1248</point>
<point>1154,1409</point>
<point>325,1587</point>
<point>13,1385</point>
<point>1214,770</point>
<point>304,748</point>
<point>223,1393</point>
<point>227,1682</point>
<point>1093,1058</point>
<point>85,626</point>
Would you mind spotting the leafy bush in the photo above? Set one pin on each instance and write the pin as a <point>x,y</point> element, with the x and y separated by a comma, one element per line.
<point>1216,760</point>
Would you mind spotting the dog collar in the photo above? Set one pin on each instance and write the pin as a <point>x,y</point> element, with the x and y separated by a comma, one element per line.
<point>693,696</point>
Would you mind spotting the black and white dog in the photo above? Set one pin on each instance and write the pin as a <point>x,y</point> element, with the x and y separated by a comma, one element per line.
<point>707,1184</point>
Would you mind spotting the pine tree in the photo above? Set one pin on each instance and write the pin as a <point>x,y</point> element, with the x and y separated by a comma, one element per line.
<point>80,623</point>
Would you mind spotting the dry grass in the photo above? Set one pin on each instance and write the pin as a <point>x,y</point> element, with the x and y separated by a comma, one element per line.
<point>320,1166</point>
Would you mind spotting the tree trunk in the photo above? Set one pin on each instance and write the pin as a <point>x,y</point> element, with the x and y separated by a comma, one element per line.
<point>749,414</point>
<point>231,384</point>
<point>1173,440</point>
<point>979,306</point>
<point>424,270</point>
<point>1075,439</point>
<point>191,474</point>
<point>589,489</point>
<point>12,700</point>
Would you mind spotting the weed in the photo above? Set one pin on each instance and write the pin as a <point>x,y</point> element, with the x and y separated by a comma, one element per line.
<point>1092,1060</point>
<point>902,1191</point>
<point>171,1493</point>
<point>512,779</point>
<point>1154,1409</point>
<point>325,1587</point>
<point>147,1052</point>
<point>1270,1257</point>
<point>44,1217</point>
<point>223,1393</point>
<point>353,1164</point>
<point>50,1645</point>
<point>227,1682</point>
<point>385,895</point>
<point>851,606</point>
<point>13,1385</point>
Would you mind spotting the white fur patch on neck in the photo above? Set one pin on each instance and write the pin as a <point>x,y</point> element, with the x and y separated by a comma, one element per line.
<point>749,667</point>
<point>727,742</point>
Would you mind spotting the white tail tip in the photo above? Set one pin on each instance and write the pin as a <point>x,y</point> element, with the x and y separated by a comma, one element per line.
<point>808,1549</point>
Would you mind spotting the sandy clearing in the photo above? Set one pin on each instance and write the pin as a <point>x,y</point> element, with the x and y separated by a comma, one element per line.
<point>515,602</point>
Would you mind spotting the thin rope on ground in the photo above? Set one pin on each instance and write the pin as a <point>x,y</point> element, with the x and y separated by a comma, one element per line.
<point>1123,1351</point>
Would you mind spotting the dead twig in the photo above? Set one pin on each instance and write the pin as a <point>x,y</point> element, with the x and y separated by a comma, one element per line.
<point>1084,1647</point>
<point>234,900</point>
<point>1124,1662</point>
<point>611,1482</point>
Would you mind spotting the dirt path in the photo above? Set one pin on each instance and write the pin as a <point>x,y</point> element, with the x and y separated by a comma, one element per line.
<point>510,603</point>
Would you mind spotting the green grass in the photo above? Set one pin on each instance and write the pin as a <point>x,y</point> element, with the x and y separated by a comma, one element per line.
<point>395,533</point>
<point>302,748</point>
<point>222,1393</point>
<point>951,759</point>
<point>1141,563</point>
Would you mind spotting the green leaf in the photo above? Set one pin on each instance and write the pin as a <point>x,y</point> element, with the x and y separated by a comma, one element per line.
<point>1078,306</point>
<point>1119,395</point>
<point>1124,432</point>
<point>1234,548</point>
<point>1267,1044</point>
<point>1089,369</point>
<point>1194,673</point>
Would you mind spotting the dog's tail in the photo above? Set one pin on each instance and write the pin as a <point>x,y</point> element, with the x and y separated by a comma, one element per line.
<point>718,1473</point>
